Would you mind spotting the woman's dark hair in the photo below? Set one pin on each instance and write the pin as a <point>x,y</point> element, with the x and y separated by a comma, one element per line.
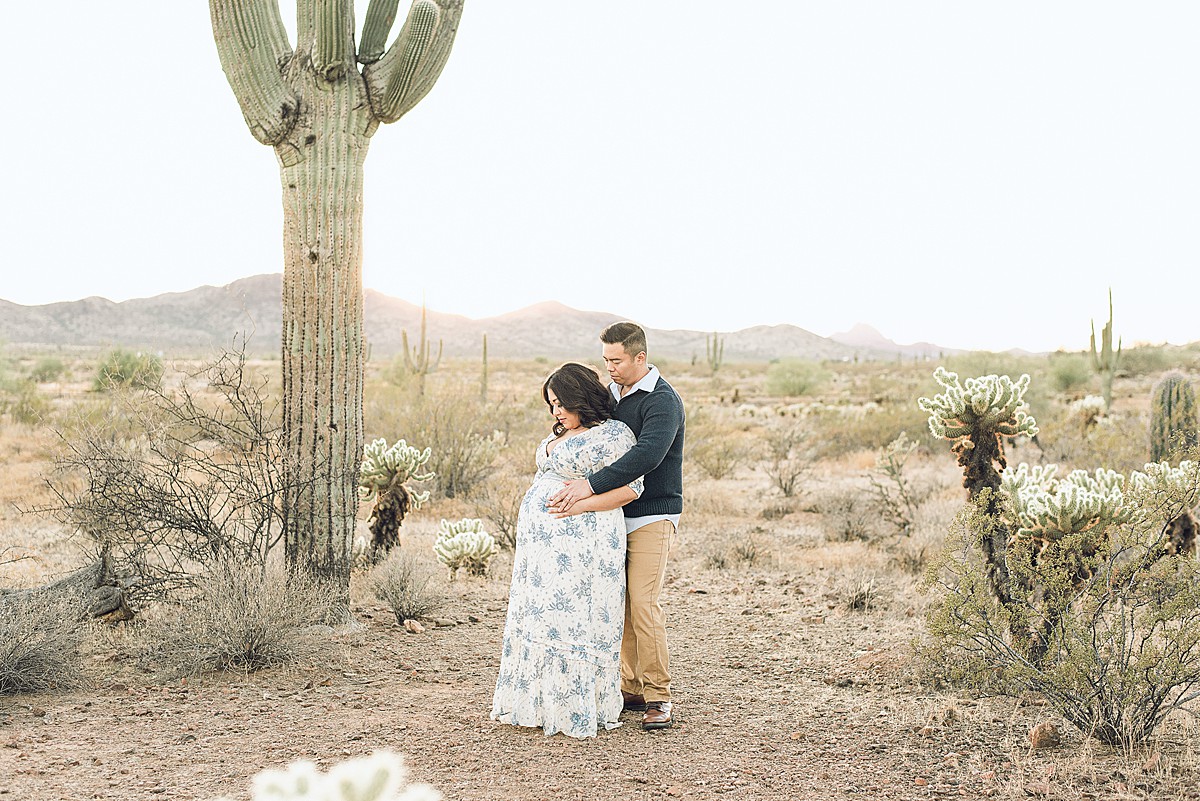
<point>580,392</point>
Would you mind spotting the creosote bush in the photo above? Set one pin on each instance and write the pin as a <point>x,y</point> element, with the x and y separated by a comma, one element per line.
<point>122,368</point>
<point>243,617</point>
<point>405,583</point>
<point>790,378</point>
<point>39,643</point>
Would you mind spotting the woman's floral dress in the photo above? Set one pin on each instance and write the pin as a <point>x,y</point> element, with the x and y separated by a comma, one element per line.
<point>560,663</point>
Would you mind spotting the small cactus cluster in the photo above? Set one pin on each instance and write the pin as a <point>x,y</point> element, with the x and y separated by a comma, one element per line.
<point>1088,410</point>
<point>382,476</point>
<point>384,467</point>
<point>1049,508</point>
<point>378,777</point>
<point>465,544</point>
<point>990,403</point>
<point>1172,417</point>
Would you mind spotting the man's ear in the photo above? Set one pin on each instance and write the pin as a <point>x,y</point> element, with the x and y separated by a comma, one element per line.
<point>640,358</point>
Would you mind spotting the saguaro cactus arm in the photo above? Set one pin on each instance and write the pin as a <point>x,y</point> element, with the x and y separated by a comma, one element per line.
<point>334,53</point>
<point>408,70</point>
<point>253,46</point>
<point>381,15</point>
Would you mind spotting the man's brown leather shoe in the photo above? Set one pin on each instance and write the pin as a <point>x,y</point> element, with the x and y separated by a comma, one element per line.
<point>658,715</point>
<point>633,702</point>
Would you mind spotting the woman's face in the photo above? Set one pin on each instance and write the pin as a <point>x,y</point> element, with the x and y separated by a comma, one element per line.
<point>569,420</point>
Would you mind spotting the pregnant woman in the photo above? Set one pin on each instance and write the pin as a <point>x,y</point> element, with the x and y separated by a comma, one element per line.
<point>560,662</point>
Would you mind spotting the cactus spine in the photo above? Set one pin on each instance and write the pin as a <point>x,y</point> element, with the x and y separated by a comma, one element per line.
<point>714,350</point>
<point>315,109</point>
<point>416,359</point>
<point>1172,418</point>
<point>1106,360</point>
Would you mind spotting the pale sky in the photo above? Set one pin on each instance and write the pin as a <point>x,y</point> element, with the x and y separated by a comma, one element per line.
<point>972,174</point>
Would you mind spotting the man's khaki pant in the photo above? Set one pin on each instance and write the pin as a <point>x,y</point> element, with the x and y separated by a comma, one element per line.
<point>644,668</point>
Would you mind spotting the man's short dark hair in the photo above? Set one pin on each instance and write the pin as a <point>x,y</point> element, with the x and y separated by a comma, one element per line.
<point>629,335</point>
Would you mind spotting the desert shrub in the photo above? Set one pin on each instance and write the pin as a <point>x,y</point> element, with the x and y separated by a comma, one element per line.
<point>841,430</point>
<point>499,502</point>
<point>39,643</point>
<point>1115,441</point>
<point>791,455</point>
<point>1149,359</point>
<point>169,480</point>
<point>1120,653</point>
<point>240,616</point>
<point>895,494</point>
<point>794,377</point>
<point>749,549</point>
<point>26,405</point>
<point>717,449</point>
<point>1069,371</point>
<point>47,369</point>
<point>405,583</point>
<point>847,514</point>
<point>122,368</point>
<point>858,592</point>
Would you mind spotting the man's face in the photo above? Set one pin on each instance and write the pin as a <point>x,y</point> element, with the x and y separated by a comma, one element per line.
<point>623,369</point>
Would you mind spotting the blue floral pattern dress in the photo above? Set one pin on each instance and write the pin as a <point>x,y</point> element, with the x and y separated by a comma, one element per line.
<point>560,662</point>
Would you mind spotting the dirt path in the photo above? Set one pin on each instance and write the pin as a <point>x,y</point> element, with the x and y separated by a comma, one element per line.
<point>778,697</point>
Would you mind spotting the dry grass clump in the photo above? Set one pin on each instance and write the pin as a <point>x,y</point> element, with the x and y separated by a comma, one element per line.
<point>39,644</point>
<point>406,584</point>
<point>241,617</point>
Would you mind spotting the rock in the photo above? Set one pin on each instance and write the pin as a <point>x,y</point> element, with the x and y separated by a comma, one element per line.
<point>442,623</point>
<point>413,627</point>
<point>1045,735</point>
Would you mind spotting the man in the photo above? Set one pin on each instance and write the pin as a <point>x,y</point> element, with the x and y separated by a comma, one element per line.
<point>648,405</point>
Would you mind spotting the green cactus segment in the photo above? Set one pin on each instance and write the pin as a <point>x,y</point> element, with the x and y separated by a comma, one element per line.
<point>381,15</point>
<point>332,55</point>
<point>988,403</point>
<point>384,467</point>
<point>1106,360</point>
<point>406,73</point>
<point>1049,508</point>
<point>465,544</point>
<point>253,46</point>
<point>1172,417</point>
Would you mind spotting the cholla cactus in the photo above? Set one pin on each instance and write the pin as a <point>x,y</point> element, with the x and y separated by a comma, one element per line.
<point>378,777</point>
<point>465,544</point>
<point>1049,509</point>
<point>1088,410</point>
<point>991,403</point>
<point>382,477</point>
<point>1171,494</point>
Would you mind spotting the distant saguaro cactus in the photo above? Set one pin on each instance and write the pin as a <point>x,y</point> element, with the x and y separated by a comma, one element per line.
<point>483,377</point>
<point>1172,417</point>
<point>714,349</point>
<point>1106,360</point>
<point>319,112</point>
<point>416,359</point>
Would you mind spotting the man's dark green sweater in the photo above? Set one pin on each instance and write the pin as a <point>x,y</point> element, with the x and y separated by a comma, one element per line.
<point>657,421</point>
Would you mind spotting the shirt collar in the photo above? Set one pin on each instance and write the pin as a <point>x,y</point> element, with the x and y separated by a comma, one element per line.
<point>647,383</point>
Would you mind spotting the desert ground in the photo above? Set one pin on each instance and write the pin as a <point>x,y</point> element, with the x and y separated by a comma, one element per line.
<point>795,610</point>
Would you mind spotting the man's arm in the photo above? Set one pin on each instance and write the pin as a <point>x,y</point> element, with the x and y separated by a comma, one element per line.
<point>659,429</point>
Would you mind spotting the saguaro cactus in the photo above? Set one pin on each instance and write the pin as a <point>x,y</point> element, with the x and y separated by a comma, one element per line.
<point>714,351</point>
<point>1106,360</point>
<point>1172,417</point>
<point>318,111</point>
<point>416,359</point>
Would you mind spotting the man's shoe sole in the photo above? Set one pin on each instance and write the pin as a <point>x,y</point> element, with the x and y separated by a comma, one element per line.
<point>654,726</point>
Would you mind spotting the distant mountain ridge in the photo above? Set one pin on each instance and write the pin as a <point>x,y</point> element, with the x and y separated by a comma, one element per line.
<point>208,317</point>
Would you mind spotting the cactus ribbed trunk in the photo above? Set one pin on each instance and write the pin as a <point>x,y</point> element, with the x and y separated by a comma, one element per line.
<point>322,348</point>
<point>318,111</point>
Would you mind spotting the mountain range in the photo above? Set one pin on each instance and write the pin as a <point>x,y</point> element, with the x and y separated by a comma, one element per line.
<point>209,316</point>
